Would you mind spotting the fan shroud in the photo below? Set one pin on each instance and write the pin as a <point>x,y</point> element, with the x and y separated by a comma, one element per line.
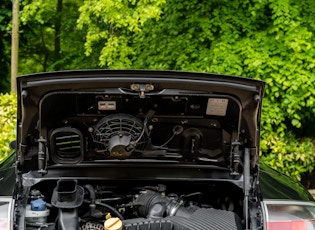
<point>115,133</point>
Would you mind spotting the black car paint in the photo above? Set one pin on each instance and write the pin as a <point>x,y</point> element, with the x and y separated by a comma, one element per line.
<point>7,176</point>
<point>274,185</point>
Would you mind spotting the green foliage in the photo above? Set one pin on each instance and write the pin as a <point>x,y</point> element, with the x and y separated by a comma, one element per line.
<point>111,23</point>
<point>38,41</point>
<point>5,18</point>
<point>288,154</point>
<point>8,104</point>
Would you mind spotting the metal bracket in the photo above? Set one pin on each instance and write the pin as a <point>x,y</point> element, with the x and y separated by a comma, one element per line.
<point>235,158</point>
<point>42,155</point>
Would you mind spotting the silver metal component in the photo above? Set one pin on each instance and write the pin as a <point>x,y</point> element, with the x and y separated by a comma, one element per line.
<point>92,226</point>
<point>117,146</point>
<point>172,208</point>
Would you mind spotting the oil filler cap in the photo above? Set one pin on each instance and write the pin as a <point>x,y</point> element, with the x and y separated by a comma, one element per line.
<point>113,224</point>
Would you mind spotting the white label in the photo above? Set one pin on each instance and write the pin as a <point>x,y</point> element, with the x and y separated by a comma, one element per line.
<point>107,105</point>
<point>217,106</point>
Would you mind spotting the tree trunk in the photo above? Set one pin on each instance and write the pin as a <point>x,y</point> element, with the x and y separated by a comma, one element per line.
<point>15,44</point>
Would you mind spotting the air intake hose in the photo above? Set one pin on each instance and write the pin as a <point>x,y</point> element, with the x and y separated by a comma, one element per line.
<point>67,196</point>
<point>154,205</point>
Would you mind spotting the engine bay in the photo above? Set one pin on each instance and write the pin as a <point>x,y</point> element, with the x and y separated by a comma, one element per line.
<point>166,161</point>
<point>86,205</point>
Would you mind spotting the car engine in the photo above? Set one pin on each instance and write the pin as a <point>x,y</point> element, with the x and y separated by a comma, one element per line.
<point>92,205</point>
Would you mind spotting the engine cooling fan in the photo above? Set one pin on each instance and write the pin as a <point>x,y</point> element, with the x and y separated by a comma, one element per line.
<point>120,134</point>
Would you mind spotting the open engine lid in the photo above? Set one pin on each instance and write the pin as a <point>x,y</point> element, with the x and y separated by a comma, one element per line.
<point>77,117</point>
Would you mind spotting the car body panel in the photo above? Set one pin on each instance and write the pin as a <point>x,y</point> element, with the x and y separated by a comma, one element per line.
<point>34,89</point>
<point>275,185</point>
<point>7,176</point>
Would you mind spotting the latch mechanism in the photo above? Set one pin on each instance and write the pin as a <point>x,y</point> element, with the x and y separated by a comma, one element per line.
<point>142,88</point>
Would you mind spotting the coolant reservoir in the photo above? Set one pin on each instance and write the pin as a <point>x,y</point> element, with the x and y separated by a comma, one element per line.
<point>113,224</point>
<point>36,213</point>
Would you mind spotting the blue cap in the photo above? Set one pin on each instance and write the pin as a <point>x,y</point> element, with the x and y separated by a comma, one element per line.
<point>38,205</point>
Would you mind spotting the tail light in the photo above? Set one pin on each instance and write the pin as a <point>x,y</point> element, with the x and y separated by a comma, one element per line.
<point>6,213</point>
<point>289,215</point>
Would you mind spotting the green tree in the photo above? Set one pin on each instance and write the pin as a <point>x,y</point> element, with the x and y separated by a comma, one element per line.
<point>110,25</point>
<point>7,124</point>
<point>5,18</point>
<point>50,40</point>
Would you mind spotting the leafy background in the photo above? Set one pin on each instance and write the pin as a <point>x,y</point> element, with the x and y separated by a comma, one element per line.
<point>8,123</point>
<point>271,40</point>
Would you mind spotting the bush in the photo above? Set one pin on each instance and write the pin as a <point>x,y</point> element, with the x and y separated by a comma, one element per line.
<point>284,142</point>
<point>288,154</point>
<point>8,104</point>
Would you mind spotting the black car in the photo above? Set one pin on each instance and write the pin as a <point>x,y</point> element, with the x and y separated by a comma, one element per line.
<point>144,150</point>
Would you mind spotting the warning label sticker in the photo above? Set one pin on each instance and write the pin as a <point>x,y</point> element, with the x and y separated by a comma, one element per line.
<point>217,106</point>
<point>107,105</point>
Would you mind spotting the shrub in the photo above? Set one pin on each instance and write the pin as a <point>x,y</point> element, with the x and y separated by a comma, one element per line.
<point>288,154</point>
<point>8,104</point>
<point>284,142</point>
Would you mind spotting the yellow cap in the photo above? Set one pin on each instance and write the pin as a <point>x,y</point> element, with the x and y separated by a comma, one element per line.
<point>113,224</point>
